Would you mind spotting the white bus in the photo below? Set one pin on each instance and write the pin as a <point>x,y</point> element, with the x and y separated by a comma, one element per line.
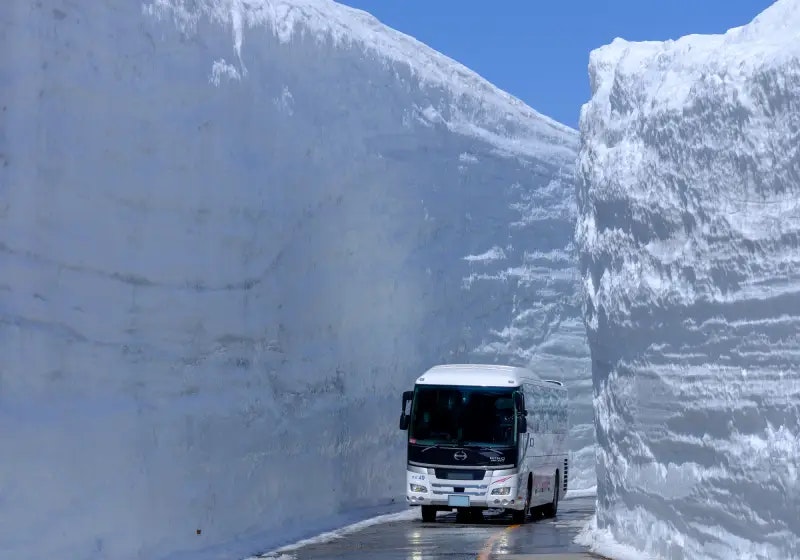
<point>485,437</point>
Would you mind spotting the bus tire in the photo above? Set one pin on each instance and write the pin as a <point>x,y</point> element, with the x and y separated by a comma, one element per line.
<point>428,514</point>
<point>551,509</point>
<point>519,517</point>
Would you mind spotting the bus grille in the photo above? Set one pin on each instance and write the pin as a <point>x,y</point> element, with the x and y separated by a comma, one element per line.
<point>460,474</point>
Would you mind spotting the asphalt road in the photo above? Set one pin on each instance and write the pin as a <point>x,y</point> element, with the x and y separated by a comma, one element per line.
<point>490,538</point>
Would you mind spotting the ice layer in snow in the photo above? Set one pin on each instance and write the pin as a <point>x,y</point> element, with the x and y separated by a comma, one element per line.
<point>689,238</point>
<point>231,233</point>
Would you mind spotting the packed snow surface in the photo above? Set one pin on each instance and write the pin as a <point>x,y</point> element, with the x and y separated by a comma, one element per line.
<point>689,237</point>
<point>231,234</point>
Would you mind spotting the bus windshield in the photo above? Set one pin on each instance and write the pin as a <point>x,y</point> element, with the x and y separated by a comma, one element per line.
<point>463,416</point>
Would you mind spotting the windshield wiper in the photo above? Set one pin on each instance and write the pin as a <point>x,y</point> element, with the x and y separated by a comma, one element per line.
<point>480,447</point>
<point>438,446</point>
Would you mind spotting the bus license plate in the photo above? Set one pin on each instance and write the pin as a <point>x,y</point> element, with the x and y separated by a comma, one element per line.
<point>457,500</point>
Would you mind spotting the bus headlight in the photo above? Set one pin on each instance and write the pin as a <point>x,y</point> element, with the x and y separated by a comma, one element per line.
<point>502,491</point>
<point>417,488</point>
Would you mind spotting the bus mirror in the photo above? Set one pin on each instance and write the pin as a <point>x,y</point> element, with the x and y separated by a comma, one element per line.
<point>522,414</point>
<point>404,418</point>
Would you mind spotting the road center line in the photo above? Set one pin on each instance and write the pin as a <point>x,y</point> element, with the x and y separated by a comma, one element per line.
<point>488,546</point>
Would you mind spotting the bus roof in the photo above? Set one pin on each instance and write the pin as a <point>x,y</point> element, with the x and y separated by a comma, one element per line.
<point>478,375</point>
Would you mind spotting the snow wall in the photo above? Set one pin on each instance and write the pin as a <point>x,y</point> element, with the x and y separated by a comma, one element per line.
<point>689,237</point>
<point>230,236</point>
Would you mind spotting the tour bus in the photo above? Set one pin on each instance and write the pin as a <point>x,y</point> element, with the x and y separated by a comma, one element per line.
<point>485,437</point>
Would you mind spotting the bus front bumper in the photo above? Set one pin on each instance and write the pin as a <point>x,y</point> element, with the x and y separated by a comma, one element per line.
<point>457,502</point>
<point>499,490</point>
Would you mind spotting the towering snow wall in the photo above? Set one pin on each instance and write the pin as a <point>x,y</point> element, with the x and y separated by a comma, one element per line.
<point>230,236</point>
<point>689,238</point>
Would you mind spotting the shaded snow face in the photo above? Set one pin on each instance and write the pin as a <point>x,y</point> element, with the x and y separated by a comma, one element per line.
<point>689,237</point>
<point>220,269</point>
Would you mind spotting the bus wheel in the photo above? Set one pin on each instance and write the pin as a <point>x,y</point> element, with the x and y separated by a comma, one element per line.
<point>428,514</point>
<point>519,517</point>
<point>551,509</point>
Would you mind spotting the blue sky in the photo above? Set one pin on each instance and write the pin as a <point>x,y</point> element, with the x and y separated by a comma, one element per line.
<point>539,50</point>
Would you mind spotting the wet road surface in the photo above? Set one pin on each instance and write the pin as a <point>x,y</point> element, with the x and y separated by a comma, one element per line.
<point>494,537</point>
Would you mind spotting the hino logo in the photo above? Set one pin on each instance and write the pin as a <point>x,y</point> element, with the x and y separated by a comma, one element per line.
<point>459,455</point>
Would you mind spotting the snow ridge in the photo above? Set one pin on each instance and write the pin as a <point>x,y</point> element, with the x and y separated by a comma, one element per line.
<point>471,104</point>
<point>689,239</point>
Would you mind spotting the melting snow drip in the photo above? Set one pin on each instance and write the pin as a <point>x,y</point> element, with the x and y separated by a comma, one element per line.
<point>238,32</point>
<point>186,18</point>
<point>221,69</point>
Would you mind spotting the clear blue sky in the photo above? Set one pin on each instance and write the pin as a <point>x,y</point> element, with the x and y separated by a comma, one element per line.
<point>538,50</point>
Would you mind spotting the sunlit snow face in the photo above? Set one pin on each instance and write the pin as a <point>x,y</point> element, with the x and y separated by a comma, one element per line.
<point>687,239</point>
